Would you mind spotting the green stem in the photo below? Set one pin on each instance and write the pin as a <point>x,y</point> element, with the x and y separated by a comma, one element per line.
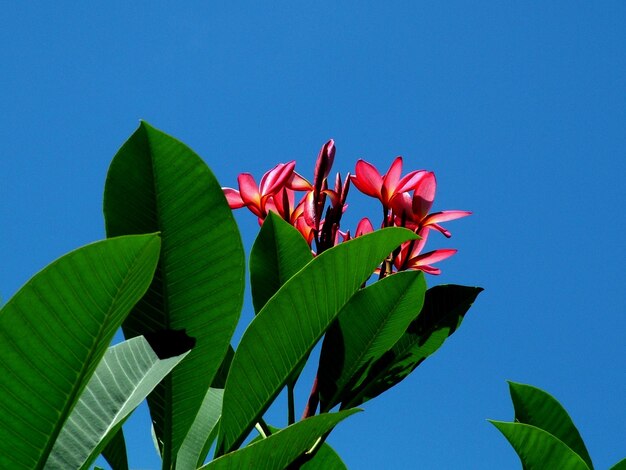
<point>291,413</point>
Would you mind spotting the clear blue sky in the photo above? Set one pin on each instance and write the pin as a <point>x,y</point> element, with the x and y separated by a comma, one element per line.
<point>519,108</point>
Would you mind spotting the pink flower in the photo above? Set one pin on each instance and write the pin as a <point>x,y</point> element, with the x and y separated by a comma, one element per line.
<point>385,188</point>
<point>256,198</point>
<point>410,257</point>
<point>414,211</point>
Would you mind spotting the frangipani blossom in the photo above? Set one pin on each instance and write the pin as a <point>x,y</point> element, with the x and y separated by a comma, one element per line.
<point>385,188</point>
<point>410,256</point>
<point>255,198</point>
<point>415,210</point>
<point>406,202</point>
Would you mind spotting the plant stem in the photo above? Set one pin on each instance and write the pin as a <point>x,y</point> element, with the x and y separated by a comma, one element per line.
<point>291,413</point>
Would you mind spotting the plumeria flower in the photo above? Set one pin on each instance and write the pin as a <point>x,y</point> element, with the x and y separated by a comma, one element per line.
<point>385,188</point>
<point>410,256</point>
<point>414,211</point>
<point>364,226</point>
<point>256,197</point>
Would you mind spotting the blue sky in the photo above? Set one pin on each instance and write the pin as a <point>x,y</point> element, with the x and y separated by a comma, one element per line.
<point>519,108</point>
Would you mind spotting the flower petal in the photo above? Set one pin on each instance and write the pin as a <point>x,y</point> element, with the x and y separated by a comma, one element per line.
<point>444,216</point>
<point>233,197</point>
<point>248,190</point>
<point>410,181</point>
<point>274,179</point>
<point>390,180</point>
<point>364,226</point>
<point>367,179</point>
<point>424,195</point>
<point>298,183</point>
<point>432,257</point>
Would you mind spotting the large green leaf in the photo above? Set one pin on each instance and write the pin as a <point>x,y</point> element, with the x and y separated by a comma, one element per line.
<point>282,448</point>
<point>538,449</point>
<point>442,313</point>
<point>278,253</point>
<point>115,451</point>
<point>127,373</point>
<point>291,323</point>
<point>156,183</point>
<point>53,333</point>
<point>540,409</point>
<point>368,326</point>
<point>325,459</point>
<point>196,445</point>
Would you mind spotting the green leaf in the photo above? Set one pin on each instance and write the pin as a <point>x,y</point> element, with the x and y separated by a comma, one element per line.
<point>53,333</point>
<point>196,445</point>
<point>156,183</point>
<point>278,253</point>
<point>291,323</point>
<point>540,409</point>
<point>538,449</point>
<point>621,465</point>
<point>128,372</point>
<point>115,451</point>
<point>325,459</point>
<point>368,326</point>
<point>282,448</point>
<point>442,313</point>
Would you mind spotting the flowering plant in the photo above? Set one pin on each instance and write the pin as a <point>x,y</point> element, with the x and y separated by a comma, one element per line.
<point>172,275</point>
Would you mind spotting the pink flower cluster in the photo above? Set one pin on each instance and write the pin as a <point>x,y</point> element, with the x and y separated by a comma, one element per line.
<point>406,202</point>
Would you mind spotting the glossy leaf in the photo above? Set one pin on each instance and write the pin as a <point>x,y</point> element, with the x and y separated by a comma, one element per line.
<point>290,325</point>
<point>325,459</point>
<point>443,311</point>
<point>278,253</point>
<point>368,326</point>
<point>540,409</point>
<point>114,451</point>
<point>53,333</point>
<point>282,448</point>
<point>539,449</point>
<point>156,183</point>
<point>196,445</point>
<point>128,372</point>
<point>621,465</point>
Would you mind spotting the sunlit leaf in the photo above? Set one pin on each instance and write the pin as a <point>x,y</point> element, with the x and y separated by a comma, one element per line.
<point>156,183</point>
<point>201,434</point>
<point>538,449</point>
<point>282,448</point>
<point>540,409</point>
<point>290,325</point>
<point>53,333</point>
<point>127,373</point>
<point>443,311</point>
<point>278,253</point>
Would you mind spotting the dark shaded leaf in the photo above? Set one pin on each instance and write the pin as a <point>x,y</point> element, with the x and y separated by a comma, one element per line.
<point>367,327</point>
<point>443,311</point>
